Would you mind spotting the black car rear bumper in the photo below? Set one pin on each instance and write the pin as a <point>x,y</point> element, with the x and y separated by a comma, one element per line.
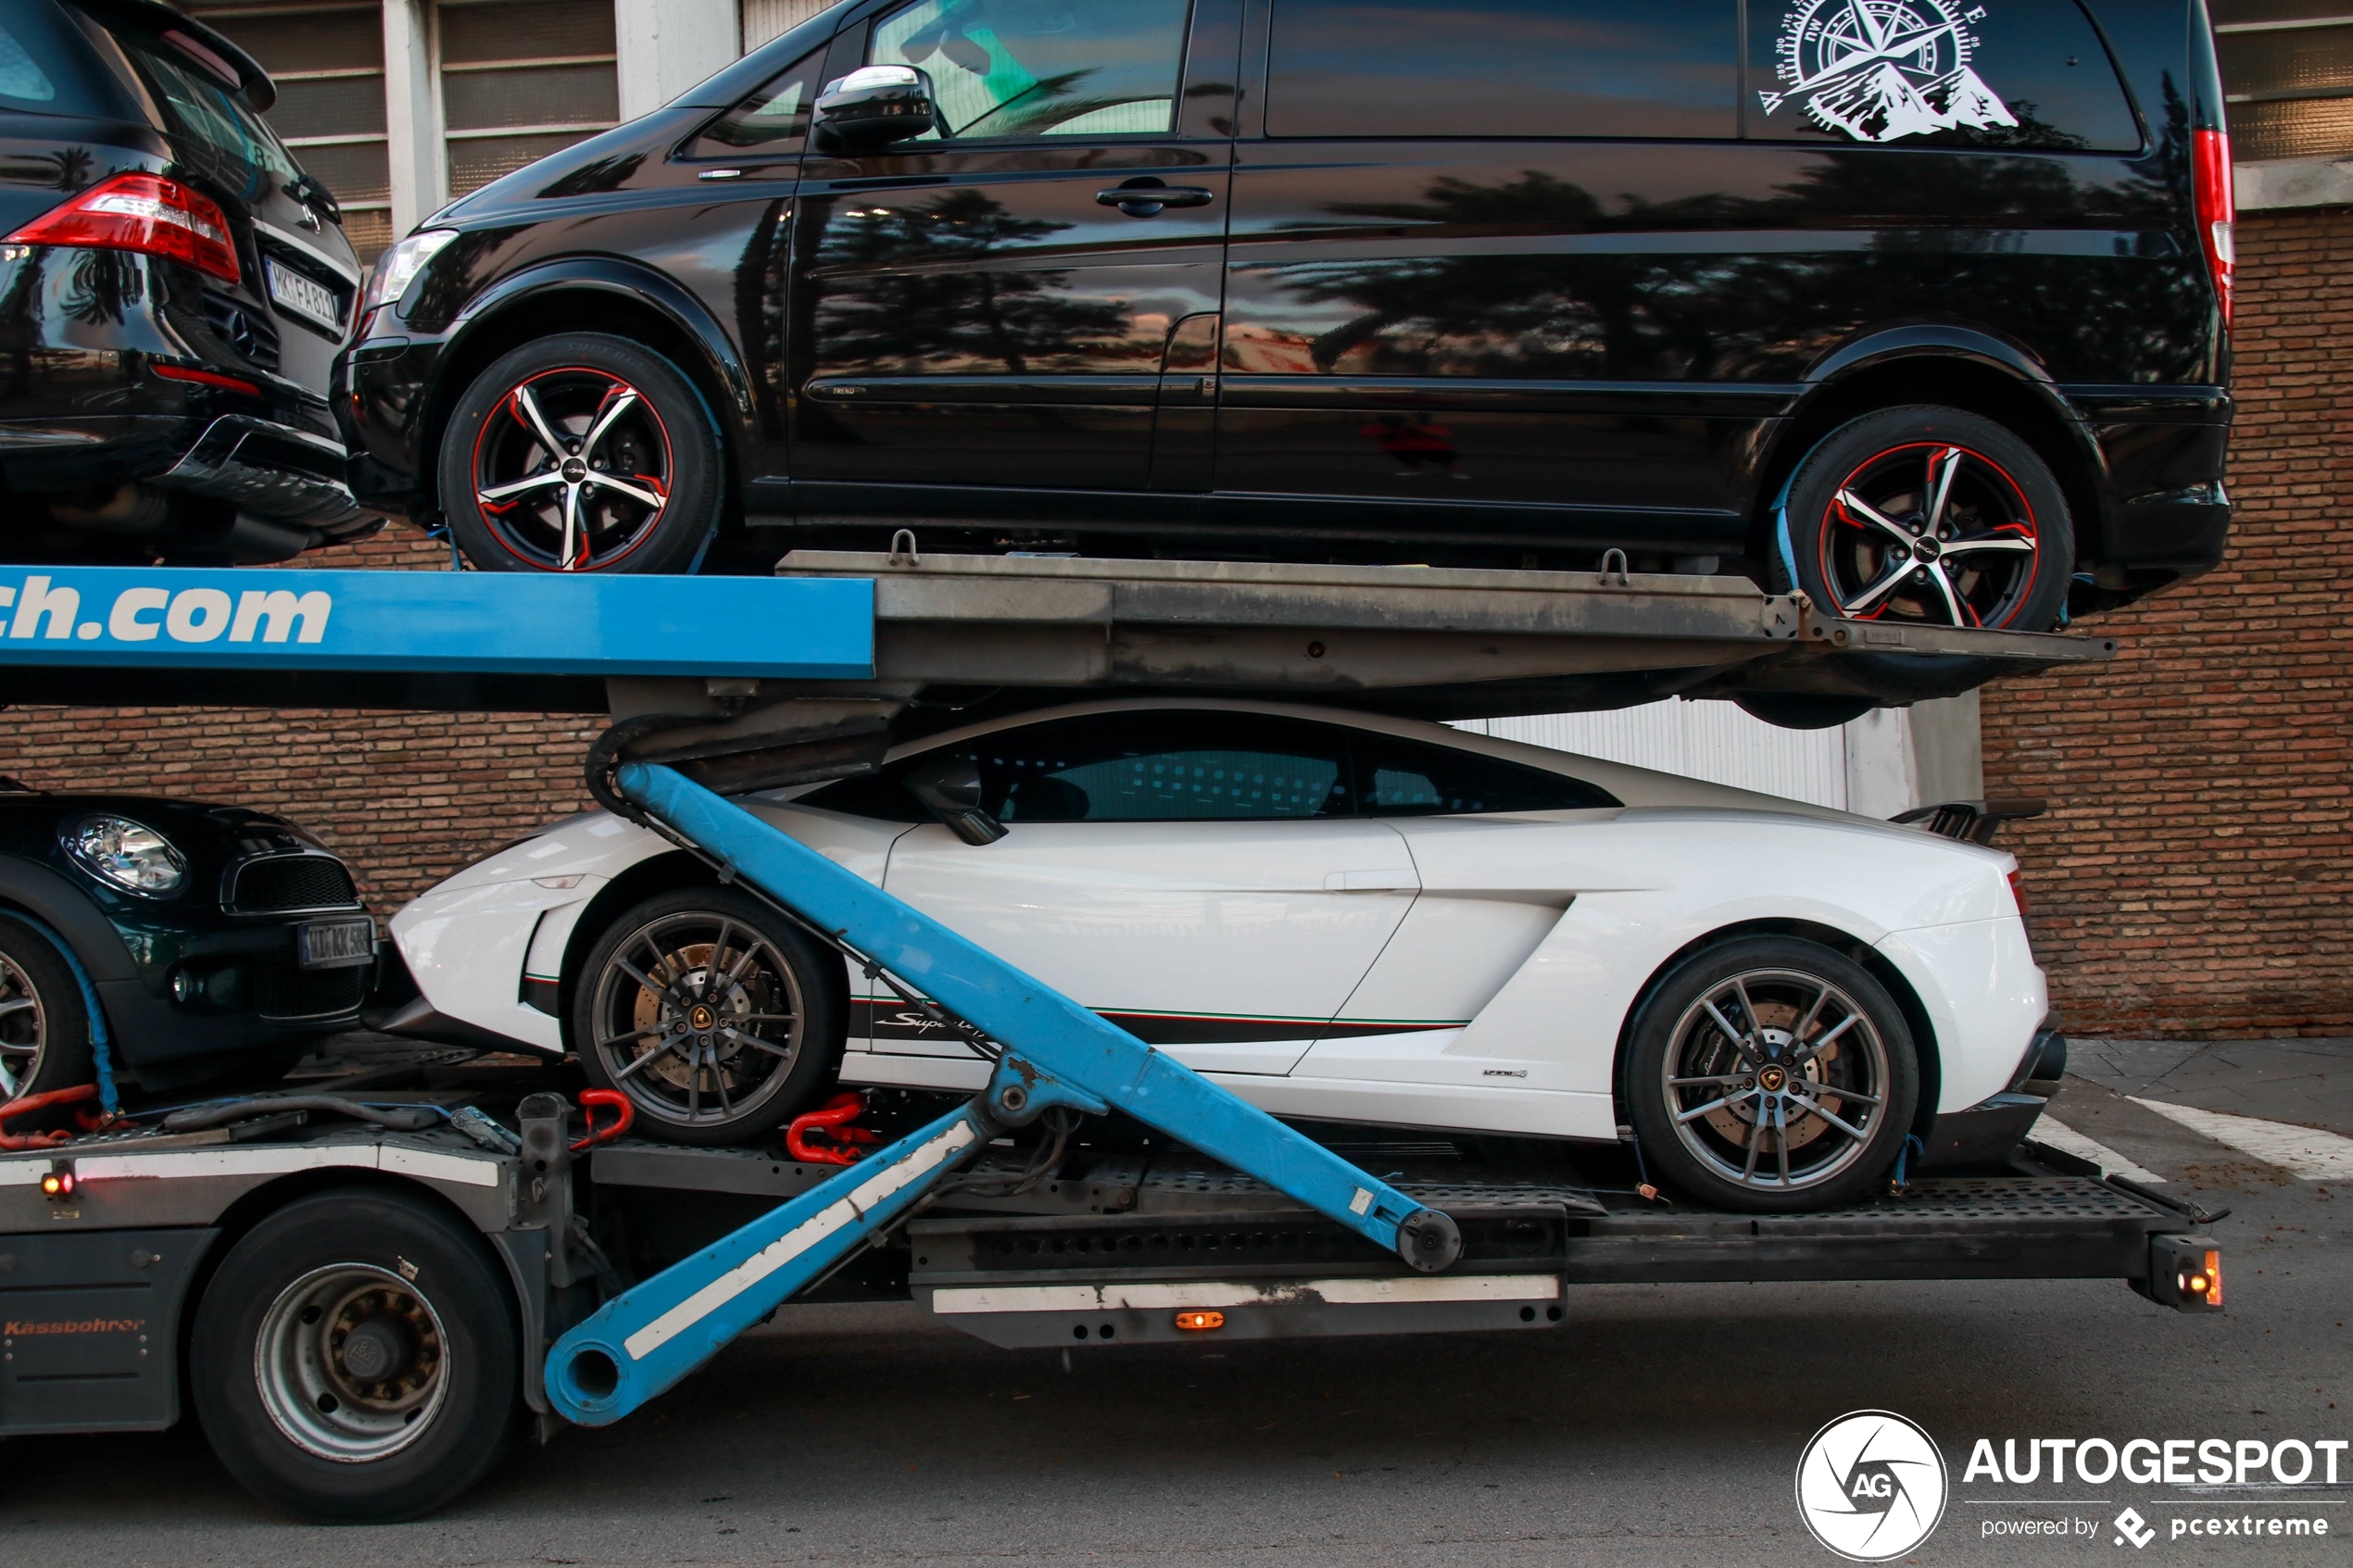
<point>269,469</point>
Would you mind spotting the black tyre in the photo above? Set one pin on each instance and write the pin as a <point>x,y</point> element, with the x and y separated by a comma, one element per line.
<point>583,452</point>
<point>719,1018</point>
<point>1930,516</point>
<point>1769,1075</point>
<point>355,1359</point>
<point>44,1023</point>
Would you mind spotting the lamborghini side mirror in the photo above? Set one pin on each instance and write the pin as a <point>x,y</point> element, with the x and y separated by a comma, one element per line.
<point>950,789</point>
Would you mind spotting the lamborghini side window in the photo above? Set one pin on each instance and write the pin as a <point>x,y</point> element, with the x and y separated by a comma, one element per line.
<point>1042,67</point>
<point>1404,778</point>
<point>1161,767</point>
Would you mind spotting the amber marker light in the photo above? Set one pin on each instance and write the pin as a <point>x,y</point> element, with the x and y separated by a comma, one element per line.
<point>58,1183</point>
<point>1201,1320</point>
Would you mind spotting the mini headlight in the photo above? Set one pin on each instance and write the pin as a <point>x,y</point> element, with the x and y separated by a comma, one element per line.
<point>128,855</point>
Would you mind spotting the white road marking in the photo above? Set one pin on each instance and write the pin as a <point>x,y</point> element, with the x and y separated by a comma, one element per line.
<point>2049,1129</point>
<point>2300,1151</point>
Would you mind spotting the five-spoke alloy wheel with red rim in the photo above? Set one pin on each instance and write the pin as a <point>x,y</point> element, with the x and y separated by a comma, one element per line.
<point>1930,516</point>
<point>582,453</point>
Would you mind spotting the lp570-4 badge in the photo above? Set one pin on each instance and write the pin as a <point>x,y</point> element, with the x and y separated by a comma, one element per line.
<point>1879,69</point>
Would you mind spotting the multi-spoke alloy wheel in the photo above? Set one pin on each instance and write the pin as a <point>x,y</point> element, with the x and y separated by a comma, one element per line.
<point>707,1011</point>
<point>1930,517</point>
<point>1772,1074</point>
<point>576,472</point>
<point>582,453</point>
<point>1930,531</point>
<point>44,1028</point>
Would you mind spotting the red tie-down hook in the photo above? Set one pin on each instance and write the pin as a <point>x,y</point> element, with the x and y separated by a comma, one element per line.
<point>831,1123</point>
<point>29,1103</point>
<point>613,1100</point>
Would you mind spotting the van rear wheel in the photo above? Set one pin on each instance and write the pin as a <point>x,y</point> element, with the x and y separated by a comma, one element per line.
<point>1927,515</point>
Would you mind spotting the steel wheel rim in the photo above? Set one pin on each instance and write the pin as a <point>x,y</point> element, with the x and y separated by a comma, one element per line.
<point>1775,1080</point>
<point>572,469</point>
<point>1929,532</point>
<point>698,1019</point>
<point>321,1404</point>
<point>24,1029</point>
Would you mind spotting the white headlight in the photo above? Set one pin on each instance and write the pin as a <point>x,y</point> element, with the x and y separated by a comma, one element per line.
<point>399,267</point>
<point>128,855</point>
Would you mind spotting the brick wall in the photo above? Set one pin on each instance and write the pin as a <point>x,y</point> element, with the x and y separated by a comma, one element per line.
<point>406,797</point>
<point>2192,878</point>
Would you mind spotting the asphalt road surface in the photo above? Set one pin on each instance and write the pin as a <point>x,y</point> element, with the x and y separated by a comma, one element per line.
<point>1657,1426</point>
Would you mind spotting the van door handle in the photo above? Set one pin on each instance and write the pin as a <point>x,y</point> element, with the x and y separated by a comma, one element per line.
<point>1146,197</point>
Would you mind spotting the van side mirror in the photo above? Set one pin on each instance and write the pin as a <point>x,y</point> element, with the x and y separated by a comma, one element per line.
<point>873,107</point>
<point>950,789</point>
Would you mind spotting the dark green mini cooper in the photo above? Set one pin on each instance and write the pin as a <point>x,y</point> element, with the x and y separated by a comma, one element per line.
<point>188,938</point>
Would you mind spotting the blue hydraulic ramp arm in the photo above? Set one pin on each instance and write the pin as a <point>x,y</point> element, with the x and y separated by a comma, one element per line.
<point>1055,1054</point>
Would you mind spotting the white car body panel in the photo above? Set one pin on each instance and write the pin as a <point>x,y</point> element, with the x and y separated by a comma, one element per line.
<point>1458,972</point>
<point>1174,921</point>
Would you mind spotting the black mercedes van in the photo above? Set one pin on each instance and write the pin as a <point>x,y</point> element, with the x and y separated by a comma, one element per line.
<point>1919,306</point>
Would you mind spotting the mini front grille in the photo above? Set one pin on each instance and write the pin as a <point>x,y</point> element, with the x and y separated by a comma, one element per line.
<point>290,994</point>
<point>278,883</point>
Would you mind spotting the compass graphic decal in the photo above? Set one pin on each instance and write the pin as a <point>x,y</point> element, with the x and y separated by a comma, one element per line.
<point>1878,70</point>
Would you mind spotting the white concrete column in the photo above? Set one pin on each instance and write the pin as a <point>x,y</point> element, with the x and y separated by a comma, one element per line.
<point>669,45</point>
<point>1900,758</point>
<point>412,115</point>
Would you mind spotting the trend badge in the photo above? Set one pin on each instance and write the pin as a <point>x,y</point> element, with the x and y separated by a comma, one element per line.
<point>1871,1485</point>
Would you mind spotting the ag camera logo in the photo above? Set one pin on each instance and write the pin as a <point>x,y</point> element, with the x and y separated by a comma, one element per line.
<point>1871,1485</point>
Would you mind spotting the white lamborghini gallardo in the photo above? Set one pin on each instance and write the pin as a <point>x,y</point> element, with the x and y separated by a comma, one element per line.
<point>1338,917</point>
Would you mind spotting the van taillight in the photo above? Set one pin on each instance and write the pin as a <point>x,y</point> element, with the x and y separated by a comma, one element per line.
<point>2211,187</point>
<point>142,212</point>
<point>2017,891</point>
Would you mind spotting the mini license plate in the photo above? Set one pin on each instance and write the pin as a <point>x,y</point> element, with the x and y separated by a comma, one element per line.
<point>313,301</point>
<point>336,944</point>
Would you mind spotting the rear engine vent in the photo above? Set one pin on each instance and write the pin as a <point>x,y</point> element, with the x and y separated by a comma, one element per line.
<point>290,994</point>
<point>291,882</point>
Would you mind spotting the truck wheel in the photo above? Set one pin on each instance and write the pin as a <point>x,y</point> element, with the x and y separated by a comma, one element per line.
<point>714,1014</point>
<point>1927,515</point>
<point>1771,1076</point>
<point>581,452</point>
<point>44,1024</point>
<point>355,1361</point>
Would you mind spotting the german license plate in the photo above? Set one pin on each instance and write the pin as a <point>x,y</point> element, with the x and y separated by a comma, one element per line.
<point>306,298</point>
<point>336,944</point>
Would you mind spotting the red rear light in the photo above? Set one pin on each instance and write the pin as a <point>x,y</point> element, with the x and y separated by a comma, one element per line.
<point>2017,891</point>
<point>141,212</point>
<point>2210,183</point>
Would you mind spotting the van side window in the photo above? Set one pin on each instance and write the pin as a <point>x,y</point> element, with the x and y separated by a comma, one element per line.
<point>1043,67</point>
<point>772,120</point>
<point>1520,68</point>
<point>1952,73</point>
